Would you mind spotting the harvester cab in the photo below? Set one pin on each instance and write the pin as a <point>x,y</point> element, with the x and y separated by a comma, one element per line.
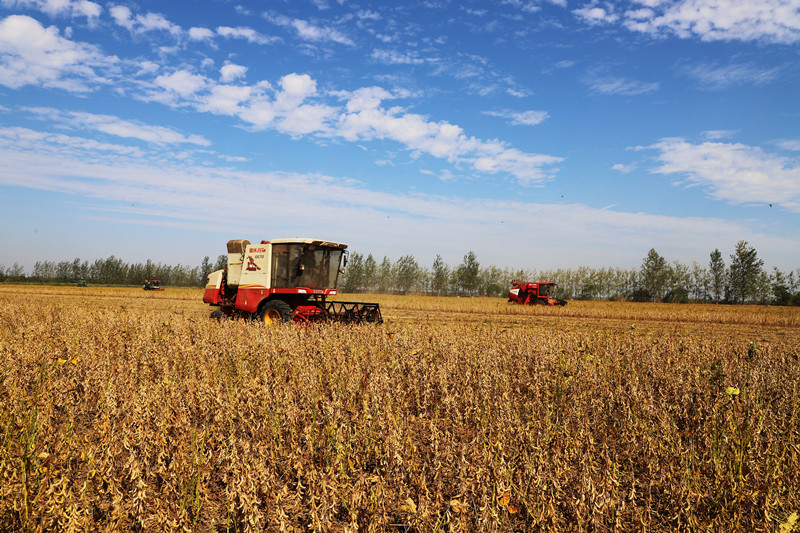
<point>534,294</point>
<point>284,280</point>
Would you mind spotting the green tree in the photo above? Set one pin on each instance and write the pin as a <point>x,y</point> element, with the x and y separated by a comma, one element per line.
<point>439,276</point>
<point>654,275</point>
<point>80,270</point>
<point>385,279</point>
<point>407,274</point>
<point>15,272</point>
<point>699,282</point>
<point>220,263</point>
<point>716,275</point>
<point>370,273</point>
<point>493,282</point>
<point>679,283</point>
<point>781,294</point>
<point>44,270</point>
<point>467,274</point>
<point>746,271</point>
<point>354,273</point>
<point>206,268</point>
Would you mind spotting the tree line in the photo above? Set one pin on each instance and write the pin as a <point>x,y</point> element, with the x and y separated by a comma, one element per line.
<point>743,279</point>
<point>111,271</point>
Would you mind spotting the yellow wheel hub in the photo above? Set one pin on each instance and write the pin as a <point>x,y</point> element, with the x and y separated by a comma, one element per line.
<point>272,316</point>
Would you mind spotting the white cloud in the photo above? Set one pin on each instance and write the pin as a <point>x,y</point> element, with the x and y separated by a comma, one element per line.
<point>182,82</point>
<point>45,144</point>
<point>122,16</point>
<point>712,76</point>
<point>393,57</point>
<point>76,8</point>
<point>226,99</point>
<point>368,14</point>
<point>295,116</point>
<point>33,55</point>
<point>735,173</point>
<point>297,109</point>
<point>310,32</point>
<point>615,85</point>
<point>143,23</point>
<point>200,34</point>
<point>790,144</point>
<point>231,72</point>
<point>243,32</point>
<point>531,7</point>
<point>365,119</point>
<point>775,21</point>
<point>305,119</point>
<point>295,88</point>
<point>625,169</point>
<point>715,135</point>
<point>157,22</point>
<point>521,118</point>
<point>116,126</point>
<point>594,14</point>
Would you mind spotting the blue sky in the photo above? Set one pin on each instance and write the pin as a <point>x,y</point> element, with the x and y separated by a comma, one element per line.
<point>539,134</point>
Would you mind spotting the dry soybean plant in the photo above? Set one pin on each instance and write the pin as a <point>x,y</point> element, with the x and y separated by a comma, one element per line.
<point>128,419</point>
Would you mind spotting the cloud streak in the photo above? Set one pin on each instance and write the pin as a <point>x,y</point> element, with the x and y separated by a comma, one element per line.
<point>735,173</point>
<point>173,193</point>
<point>117,127</point>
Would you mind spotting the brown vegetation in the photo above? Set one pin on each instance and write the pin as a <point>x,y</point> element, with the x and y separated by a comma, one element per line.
<point>125,410</point>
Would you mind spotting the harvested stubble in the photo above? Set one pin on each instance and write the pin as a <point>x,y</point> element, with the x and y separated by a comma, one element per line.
<point>117,419</point>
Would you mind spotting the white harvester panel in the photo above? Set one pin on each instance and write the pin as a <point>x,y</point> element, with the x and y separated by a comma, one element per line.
<point>256,269</point>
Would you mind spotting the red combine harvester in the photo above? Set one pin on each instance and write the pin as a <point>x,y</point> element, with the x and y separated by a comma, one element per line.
<point>534,294</point>
<point>152,285</point>
<point>284,280</point>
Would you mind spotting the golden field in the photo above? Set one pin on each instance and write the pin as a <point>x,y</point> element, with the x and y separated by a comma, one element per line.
<point>126,410</point>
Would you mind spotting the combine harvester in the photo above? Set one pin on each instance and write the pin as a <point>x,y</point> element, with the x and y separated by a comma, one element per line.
<point>534,294</point>
<point>152,285</point>
<point>284,280</point>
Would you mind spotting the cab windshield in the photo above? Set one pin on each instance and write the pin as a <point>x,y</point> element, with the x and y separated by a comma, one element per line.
<point>305,265</point>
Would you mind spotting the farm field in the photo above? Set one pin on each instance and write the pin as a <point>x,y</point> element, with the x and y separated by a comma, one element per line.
<point>128,410</point>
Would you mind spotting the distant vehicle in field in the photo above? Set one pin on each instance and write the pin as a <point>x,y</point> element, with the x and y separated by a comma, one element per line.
<point>152,285</point>
<point>81,283</point>
<point>284,280</point>
<point>534,293</point>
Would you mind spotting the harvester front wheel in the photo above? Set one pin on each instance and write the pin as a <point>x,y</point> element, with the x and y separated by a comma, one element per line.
<point>275,312</point>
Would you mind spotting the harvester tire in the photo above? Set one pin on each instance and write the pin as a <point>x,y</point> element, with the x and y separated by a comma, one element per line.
<point>217,315</point>
<point>275,312</point>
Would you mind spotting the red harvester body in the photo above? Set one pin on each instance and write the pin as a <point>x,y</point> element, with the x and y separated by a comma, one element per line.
<point>534,294</point>
<point>284,280</point>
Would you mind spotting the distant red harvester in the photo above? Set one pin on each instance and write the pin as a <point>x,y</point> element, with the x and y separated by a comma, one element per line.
<point>534,294</point>
<point>152,285</point>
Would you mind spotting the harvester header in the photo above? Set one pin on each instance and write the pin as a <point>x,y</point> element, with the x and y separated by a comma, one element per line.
<point>284,280</point>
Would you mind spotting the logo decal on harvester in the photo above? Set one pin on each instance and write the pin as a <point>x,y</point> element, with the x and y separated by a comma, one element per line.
<point>251,265</point>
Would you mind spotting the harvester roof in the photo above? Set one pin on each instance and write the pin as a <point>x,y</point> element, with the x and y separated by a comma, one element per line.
<point>315,242</point>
